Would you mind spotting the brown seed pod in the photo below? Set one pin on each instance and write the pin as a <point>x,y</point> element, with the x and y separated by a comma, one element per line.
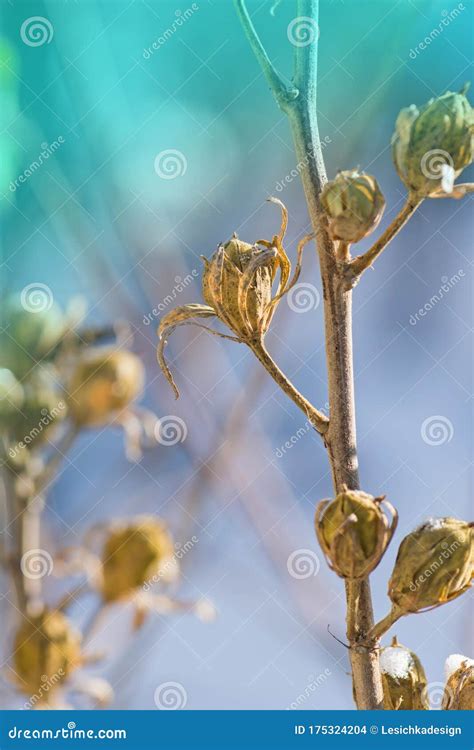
<point>103,384</point>
<point>354,532</point>
<point>435,564</point>
<point>354,204</point>
<point>46,649</point>
<point>135,554</point>
<point>403,679</point>
<point>459,688</point>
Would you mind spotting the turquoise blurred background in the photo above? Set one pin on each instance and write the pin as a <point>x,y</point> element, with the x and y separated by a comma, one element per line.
<point>109,92</point>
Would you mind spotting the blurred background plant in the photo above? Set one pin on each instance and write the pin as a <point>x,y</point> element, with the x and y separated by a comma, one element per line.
<point>97,219</point>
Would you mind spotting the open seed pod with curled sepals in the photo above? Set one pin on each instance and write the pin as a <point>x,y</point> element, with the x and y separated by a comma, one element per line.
<point>354,531</point>
<point>459,688</point>
<point>237,285</point>
<point>434,564</point>
<point>403,679</point>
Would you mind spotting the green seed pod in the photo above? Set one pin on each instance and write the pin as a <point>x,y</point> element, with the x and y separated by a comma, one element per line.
<point>104,383</point>
<point>30,335</point>
<point>435,564</point>
<point>432,146</point>
<point>403,679</point>
<point>11,395</point>
<point>354,204</point>
<point>237,283</point>
<point>41,410</point>
<point>136,554</point>
<point>354,532</point>
<point>46,647</point>
<point>459,688</point>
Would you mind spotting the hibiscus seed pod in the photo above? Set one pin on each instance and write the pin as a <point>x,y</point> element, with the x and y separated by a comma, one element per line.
<point>104,383</point>
<point>354,204</point>
<point>435,564</point>
<point>432,145</point>
<point>237,283</point>
<point>459,688</point>
<point>354,532</point>
<point>46,647</point>
<point>137,553</point>
<point>403,679</point>
<point>43,407</point>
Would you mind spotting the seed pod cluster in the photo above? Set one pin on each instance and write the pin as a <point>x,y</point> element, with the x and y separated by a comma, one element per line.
<point>354,204</point>
<point>135,553</point>
<point>46,646</point>
<point>432,145</point>
<point>435,564</point>
<point>354,531</point>
<point>403,679</point>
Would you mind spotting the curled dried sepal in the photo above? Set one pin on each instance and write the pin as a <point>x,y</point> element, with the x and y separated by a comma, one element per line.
<point>435,564</point>
<point>459,688</point>
<point>403,679</point>
<point>354,532</point>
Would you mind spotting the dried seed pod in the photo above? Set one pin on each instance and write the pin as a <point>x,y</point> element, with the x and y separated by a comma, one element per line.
<point>104,383</point>
<point>435,564</point>
<point>459,688</point>
<point>46,648</point>
<point>432,146</point>
<point>354,204</point>
<point>354,532</point>
<point>403,679</point>
<point>135,554</point>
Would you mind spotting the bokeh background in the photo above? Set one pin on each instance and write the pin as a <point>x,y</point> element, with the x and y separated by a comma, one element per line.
<point>98,220</point>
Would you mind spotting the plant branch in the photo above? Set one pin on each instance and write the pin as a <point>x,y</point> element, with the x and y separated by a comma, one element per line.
<point>319,420</point>
<point>283,93</point>
<point>381,627</point>
<point>356,267</point>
